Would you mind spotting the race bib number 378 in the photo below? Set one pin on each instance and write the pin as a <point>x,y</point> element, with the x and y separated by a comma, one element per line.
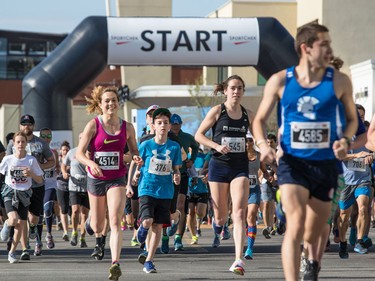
<point>305,135</point>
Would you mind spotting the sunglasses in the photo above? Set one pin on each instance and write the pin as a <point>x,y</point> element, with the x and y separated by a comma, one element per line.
<point>48,136</point>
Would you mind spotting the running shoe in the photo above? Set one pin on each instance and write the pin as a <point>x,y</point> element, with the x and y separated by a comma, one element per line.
<point>312,271</point>
<point>194,240</point>
<point>266,233</point>
<point>32,232</point>
<point>216,242</point>
<point>343,250</point>
<point>123,226</point>
<point>65,237</point>
<point>225,234</point>
<point>74,239</point>
<point>178,244</point>
<point>280,228</point>
<point>25,256</point>
<point>12,258</point>
<point>88,228</point>
<point>149,267</point>
<point>367,242</point>
<point>82,243</point>
<point>199,232</point>
<point>38,249</point>
<point>142,234</point>
<point>98,252</point>
<point>5,231</point>
<point>114,272</point>
<point>336,237</point>
<point>360,247</point>
<point>134,242</point>
<point>50,242</point>
<point>171,230</point>
<point>373,224</point>
<point>130,226</point>
<point>164,249</point>
<point>142,257</point>
<point>303,264</point>
<point>274,230</point>
<point>353,236</point>
<point>248,254</point>
<point>238,267</point>
<point>59,226</point>
<point>9,244</point>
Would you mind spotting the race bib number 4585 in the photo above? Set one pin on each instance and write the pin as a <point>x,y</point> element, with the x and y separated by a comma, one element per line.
<point>305,135</point>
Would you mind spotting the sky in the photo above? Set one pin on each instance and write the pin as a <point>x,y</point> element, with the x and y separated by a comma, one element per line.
<point>51,16</point>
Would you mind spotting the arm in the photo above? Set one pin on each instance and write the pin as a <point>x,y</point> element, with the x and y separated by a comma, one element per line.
<point>371,135</point>
<point>208,122</point>
<point>343,89</point>
<point>49,164</point>
<point>132,144</point>
<point>272,93</point>
<point>86,136</point>
<point>176,175</point>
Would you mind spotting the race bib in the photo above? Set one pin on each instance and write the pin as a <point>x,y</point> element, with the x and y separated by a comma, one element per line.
<point>160,167</point>
<point>237,145</point>
<point>305,135</point>
<point>16,174</point>
<point>107,160</point>
<point>253,181</point>
<point>357,164</point>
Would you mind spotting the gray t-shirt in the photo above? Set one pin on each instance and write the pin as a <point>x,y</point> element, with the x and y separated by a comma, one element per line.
<point>78,174</point>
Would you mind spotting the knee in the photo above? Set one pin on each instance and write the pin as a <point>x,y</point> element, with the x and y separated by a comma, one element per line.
<point>362,211</point>
<point>48,209</point>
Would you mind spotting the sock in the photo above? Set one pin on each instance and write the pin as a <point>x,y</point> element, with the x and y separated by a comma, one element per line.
<point>251,234</point>
<point>103,240</point>
<point>49,224</point>
<point>98,241</point>
<point>217,229</point>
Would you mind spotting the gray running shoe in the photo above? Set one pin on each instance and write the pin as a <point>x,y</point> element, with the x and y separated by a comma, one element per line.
<point>12,258</point>
<point>74,239</point>
<point>50,242</point>
<point>4,234</point>
<point>38,249</point>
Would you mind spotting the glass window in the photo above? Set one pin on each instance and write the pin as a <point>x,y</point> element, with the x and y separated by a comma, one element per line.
<point>3,46</point>
<point>15,67</point>
<point>16,48</point>
<point>50,47</point>
<point>37,48</point>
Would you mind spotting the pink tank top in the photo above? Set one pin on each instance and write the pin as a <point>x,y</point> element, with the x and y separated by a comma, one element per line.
<point>107,151</point>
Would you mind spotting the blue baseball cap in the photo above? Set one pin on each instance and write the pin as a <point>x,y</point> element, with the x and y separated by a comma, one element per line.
<point>176,119</point>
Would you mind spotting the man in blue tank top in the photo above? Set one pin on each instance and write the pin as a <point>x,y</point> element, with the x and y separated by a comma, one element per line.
<point>317,118</point>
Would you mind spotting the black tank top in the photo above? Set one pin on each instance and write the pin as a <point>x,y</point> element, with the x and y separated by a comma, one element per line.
<point>232,133</point>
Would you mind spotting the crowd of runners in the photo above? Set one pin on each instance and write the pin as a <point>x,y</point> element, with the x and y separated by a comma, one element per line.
<point>311,180</point>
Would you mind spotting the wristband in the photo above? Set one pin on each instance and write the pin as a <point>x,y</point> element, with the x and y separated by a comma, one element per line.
<point>348,141</point>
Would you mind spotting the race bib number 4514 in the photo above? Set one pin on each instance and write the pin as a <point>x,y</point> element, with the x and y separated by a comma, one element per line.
<point>305,135</point>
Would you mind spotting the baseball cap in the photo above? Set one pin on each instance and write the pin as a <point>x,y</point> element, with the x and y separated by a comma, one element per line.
<point>160,110</point>
<point>152,107</point>
<point>176,119</point>
<point>27,119</point>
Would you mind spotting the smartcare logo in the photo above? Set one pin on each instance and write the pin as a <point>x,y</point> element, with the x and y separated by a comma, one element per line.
<point>171,40</point>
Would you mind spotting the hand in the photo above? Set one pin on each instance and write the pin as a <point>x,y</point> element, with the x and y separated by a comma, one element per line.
<point>177,178</point>
<point>138,160</point>
<point>223,149</point>
<point>65,176</point>
<point>267,154</point>
<point>26,172</point>
<point>129,191</point>
<point>340,149</point>
<point>95,170</point>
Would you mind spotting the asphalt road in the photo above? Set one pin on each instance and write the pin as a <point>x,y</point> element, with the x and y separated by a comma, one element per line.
<point>198,262</point>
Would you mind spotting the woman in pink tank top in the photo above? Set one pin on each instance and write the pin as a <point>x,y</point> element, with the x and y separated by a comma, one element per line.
<point>106,137</point>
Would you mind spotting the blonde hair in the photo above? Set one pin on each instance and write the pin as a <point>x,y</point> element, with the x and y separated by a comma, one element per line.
<point>93,103</point>
<point>19,134</point>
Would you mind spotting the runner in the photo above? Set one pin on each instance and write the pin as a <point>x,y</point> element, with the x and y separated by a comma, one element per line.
<point>19,170</point>
<point>312,97</point>
<point>228,167</point>
<point>62,190</point>
<point>162,159</point>
<point>107,136</point>
<point>41,151</point>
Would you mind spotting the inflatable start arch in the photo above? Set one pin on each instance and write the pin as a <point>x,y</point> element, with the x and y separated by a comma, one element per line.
<point>99,41</point>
